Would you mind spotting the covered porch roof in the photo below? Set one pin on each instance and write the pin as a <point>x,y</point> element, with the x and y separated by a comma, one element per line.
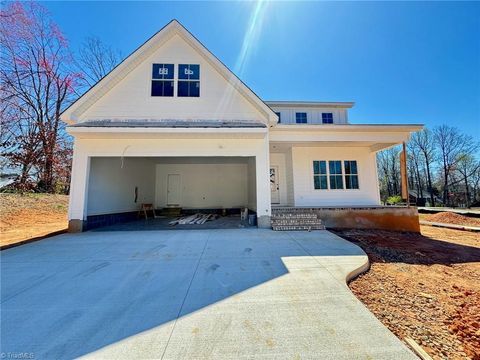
<point>374,136</point>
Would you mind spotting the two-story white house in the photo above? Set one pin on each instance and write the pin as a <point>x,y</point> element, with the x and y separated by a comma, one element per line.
<point>172,126</point>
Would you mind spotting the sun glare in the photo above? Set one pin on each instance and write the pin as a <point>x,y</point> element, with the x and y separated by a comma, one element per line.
<point>252,34</point>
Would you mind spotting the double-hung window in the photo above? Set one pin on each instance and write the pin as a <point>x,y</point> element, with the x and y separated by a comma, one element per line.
<point>320,175</point>
<point>162,79</point>
<point>351,174</point>
<point>188,80</point>
<point>301,117</point>
<point>327,118</point>
<point>336,175</point>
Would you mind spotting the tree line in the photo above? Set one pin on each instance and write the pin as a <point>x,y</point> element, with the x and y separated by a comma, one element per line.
<point>443,168</point>
<point>40,76</point>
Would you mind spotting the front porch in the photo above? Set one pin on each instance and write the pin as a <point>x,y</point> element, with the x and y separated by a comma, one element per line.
<point>394,218</point>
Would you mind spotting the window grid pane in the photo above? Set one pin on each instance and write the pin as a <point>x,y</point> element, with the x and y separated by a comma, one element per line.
<point>320,167</point>
<point>327,118</point>
<point>188,88</point>
<point>320,182</point>
<point>320,175</point>
<point>188,80</point>
<point>162,88</point>
<point>351,174</point>
<point>336,182</point>
<point>351,181</point>
<point>163,71</point>
<point>301,117</point>
<point>188,72</point>
<point>336,176</point>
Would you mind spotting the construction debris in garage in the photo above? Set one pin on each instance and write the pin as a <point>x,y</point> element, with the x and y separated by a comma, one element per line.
<point>197,218</point>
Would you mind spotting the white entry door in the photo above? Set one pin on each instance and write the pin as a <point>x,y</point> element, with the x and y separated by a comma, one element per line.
<point>173,190</point>
<point>274,188</point>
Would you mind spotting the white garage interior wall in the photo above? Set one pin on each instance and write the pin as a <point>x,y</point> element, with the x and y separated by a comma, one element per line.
<point>112,182</point>
<point>206,182</point>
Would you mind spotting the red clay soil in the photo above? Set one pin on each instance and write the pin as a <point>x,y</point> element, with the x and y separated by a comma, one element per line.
<point>23,217</point>
<point>451,218</point>
<point>426,287</point>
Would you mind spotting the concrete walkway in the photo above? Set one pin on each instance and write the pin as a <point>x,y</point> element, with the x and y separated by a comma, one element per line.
<point>206,294</point>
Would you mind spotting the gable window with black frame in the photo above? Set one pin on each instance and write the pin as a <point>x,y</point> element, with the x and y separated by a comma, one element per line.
<point>188,80</point>
<point>320,175</point>
<point>279,117</point>
<point>301,117</point>
<point>327,118</point>
<point>351,174</point>
<point>336,175</point>
<point>162,80</point>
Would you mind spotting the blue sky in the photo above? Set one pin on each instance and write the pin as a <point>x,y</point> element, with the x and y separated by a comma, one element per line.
<point>401,62</point>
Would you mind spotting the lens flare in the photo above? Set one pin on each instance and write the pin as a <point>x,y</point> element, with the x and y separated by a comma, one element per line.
<point>250,39</point>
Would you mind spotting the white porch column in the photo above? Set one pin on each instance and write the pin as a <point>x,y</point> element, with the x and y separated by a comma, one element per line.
<point>77,210</point>
<point>262,167</point>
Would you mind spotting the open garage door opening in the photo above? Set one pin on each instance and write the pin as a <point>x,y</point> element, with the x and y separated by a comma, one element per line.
<point>121,190</point>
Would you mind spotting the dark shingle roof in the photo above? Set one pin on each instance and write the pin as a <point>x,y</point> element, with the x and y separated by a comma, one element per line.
<point>172,124</point>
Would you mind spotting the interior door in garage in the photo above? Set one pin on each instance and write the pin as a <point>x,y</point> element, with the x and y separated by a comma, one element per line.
<point>173,190</point>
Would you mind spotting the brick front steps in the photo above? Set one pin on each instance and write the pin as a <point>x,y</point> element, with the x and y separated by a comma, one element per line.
<point>289,219</point>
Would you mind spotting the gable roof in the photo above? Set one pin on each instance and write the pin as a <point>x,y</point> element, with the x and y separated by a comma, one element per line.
<point>71,114</point>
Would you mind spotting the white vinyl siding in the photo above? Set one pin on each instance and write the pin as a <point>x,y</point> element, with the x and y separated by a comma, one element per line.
<point>305,193</point>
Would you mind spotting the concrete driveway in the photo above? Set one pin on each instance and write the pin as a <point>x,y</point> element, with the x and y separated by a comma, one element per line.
<point>200,294</point>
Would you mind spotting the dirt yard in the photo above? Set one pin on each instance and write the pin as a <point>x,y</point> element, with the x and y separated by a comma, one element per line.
<point>451,218</point>
<point>426,287</point>
<point>26,216</point>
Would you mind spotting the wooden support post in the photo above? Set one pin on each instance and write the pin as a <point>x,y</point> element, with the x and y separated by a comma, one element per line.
<point>404,174</point>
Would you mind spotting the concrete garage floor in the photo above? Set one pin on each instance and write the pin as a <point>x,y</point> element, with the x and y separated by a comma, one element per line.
<point>200,294</point>
<point>223,222</point>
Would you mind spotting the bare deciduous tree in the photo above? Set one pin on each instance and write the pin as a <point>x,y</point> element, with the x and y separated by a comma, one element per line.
<point>388,164</point>
<point>451,144</point>
<point>36,84</point>
<point>96,60</point>
<point>467,167</point>
<point>424,146</point>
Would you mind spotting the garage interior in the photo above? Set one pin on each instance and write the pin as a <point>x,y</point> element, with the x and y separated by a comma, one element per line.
<point>118,187</point>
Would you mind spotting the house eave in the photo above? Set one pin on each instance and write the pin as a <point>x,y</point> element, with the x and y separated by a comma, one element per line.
<point>349,127</point>
<point>311,104</point>
<point>149,132</point>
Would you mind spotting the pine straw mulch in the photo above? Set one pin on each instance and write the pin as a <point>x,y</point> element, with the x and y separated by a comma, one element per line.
<point>426,287</point>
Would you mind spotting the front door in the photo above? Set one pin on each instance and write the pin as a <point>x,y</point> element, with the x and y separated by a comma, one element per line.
<point>274,188</point>
<point>173,190</point>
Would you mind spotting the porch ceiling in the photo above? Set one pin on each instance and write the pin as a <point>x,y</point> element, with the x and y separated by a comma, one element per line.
<point>280,147</point>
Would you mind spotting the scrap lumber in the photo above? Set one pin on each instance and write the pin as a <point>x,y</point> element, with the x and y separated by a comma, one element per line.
<point>417,349</point>
<point>195,219</point>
